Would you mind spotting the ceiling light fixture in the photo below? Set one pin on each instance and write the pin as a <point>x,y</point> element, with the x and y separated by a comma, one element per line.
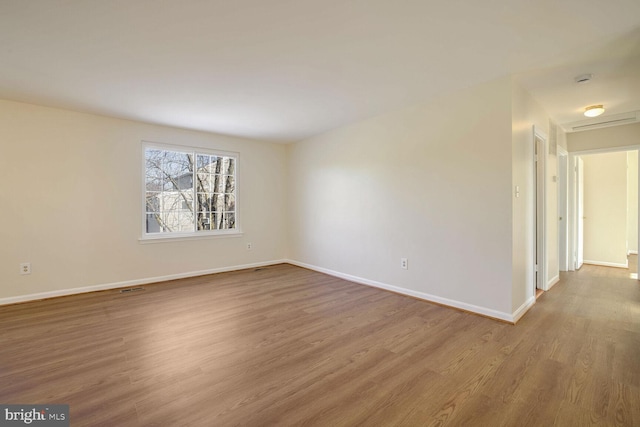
<point>594,110</point>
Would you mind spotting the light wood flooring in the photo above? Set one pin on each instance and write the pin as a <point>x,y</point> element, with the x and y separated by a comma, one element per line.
<point>287,346</point>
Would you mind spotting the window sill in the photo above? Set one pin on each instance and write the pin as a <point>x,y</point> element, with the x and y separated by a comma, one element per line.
<point>186,237</point>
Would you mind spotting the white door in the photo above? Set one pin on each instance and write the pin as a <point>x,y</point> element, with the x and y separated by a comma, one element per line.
<point>580,212</point>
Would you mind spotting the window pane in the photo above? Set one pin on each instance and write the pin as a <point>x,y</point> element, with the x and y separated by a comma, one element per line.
<point>216,164</point>
<point>177,171</point>
<point>158,222</point>
<point>203,202</point>
<point>174,221</point>
<point>215,218</point>
<point>204,220</point>
<point>152,202</point>
<point>203,182</point>
<point>215,201</point>
<point>153,224</point>
<point>230,220</point>
<point>153,183</point>
<point>153,170</point>
<point>229,202</point>
<point>176,200</point>
<point>230,167</point>
<point>229,184</point>
<point>216,183</point>
<point>203,161</point>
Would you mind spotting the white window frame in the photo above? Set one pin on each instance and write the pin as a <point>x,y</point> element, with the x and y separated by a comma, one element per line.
<point>177,236</point>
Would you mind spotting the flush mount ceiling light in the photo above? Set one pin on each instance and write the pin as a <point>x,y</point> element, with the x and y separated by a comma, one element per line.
<point>594,111</point>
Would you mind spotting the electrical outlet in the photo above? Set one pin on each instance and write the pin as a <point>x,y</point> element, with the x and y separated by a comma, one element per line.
<point>25,268</point>
<point>249,246</point>
<point>404,264</point>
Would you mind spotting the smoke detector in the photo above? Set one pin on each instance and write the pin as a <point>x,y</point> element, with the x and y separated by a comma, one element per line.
<point>583,78</point>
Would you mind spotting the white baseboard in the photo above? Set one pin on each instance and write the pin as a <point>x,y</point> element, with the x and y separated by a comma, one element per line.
<point>553,281</point>
<point>632,252</point>
<point>607,264</point>
<point>487,312</point>
<point>128,283</point>
<point>511,318</point>
<point>523,308</point>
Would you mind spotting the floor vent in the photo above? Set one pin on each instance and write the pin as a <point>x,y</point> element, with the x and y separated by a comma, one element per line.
<point>126,291</point>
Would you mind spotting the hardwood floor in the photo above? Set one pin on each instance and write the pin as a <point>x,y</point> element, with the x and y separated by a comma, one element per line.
<point>287,346</point>
<point>600,271</point>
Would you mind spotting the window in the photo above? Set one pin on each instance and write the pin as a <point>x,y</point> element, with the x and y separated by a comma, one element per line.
<point>189,192</point>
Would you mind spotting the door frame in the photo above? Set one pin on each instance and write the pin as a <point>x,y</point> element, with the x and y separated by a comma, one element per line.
<point>578,173</point>
<point>563,208</point>
<point>539,211</point>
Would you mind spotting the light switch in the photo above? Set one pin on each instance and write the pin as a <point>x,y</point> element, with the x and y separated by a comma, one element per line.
<point>517,191</point>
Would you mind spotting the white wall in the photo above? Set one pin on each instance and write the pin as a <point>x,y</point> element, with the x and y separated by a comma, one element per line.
<point>526,112</point>
<point>605,208</point>
<point>553,264</point>
<point>563,207</point>
<point>430,183</point>
<point>553,223</point>
<point>611,137</point>
<point>562,138</point>
<point>632,201</point>
<point>71,202</point>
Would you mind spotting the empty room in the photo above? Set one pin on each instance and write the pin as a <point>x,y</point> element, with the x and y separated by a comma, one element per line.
<point>327,213</point>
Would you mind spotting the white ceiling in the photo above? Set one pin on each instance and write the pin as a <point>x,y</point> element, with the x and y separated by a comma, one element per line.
<point>285,70</point>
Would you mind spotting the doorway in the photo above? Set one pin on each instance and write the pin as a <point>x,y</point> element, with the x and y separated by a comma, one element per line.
<point>603,199</point>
